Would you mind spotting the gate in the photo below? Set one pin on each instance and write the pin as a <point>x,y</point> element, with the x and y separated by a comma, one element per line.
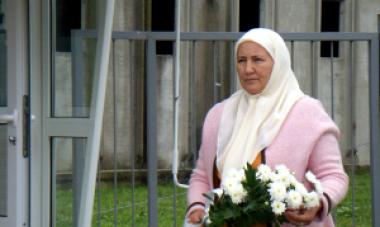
<point>208,76</point>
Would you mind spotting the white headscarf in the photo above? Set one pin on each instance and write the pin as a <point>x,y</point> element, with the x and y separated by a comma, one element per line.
<point>249,123</point>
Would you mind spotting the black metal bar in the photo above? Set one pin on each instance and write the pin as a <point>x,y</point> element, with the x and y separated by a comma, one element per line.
<point>233,78</point>
<point>332,78</point>
<point>99,195</point>
<point>314,78</point>
<point>374,129</point>
<point>132,115</point>
<point>193,104</point>
<point>152,131</point>
<point>115,208</point>
<point>232,36</point>
<point>292,54</point>
<point>352,95</point>
<point>214,72</point>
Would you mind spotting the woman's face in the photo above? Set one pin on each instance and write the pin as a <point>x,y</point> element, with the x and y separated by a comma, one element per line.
<point>254,67</point>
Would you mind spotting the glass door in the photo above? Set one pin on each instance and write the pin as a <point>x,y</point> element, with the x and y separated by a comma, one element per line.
<point>13,163</point>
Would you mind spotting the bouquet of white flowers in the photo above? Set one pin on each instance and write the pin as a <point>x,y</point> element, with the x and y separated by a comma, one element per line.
<point>249,196</point>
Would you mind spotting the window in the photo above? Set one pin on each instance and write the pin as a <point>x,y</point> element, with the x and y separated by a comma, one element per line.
<point>2,9</point>
<point>3,56</point>
<point>72,63</point>
<point>330,23</point>
<point>163,20</point>
<point>249,14</point>
<point>67,18</point>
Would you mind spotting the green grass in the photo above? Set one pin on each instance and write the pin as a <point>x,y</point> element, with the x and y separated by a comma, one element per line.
<point>343,213</point>
<point>362,206</point>
<point>106,218</point>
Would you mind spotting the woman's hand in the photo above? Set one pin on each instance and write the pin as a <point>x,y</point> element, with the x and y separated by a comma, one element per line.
<point>302,216</point>
<point>196,216</point>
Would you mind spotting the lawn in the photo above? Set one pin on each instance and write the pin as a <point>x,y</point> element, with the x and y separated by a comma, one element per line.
<point>360,211</point>
<point>171,212</point>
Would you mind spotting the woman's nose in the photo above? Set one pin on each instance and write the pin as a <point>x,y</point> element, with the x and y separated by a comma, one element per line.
<point>250,68</point>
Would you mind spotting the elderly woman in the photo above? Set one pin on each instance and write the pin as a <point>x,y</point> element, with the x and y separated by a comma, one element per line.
<point>270,120</point>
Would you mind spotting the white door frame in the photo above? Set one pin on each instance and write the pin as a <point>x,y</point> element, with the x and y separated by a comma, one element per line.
<point>45,127</point>
<point>39,66</point>
<point>17,71</point>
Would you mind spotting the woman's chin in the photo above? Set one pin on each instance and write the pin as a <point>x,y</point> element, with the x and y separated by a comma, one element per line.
<point>252,90</point>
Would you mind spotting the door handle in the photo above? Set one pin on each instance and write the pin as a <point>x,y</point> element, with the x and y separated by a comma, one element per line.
<point>9,118</point>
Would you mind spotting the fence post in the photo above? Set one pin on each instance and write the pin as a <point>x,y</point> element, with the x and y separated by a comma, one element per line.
<point>151,88</point>
<point>374,117</point>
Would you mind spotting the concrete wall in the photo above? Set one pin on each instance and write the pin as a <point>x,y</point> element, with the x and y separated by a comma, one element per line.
<point>304,16</point>
<point>365,20</point>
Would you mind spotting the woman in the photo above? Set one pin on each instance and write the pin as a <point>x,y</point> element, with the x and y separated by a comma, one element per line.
<point>269,120</point>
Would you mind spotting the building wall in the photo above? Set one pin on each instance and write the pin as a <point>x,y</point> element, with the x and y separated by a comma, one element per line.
<point>304,16</point>
<point>366,20</point>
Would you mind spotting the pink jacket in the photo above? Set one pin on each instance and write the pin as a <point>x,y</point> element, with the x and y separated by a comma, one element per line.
<point>307,141</point>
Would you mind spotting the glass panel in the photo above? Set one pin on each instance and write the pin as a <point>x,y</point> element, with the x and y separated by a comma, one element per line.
<point>67,164</point>
<point>73,58</point>
<point>3,170</point>
<point>3,56</point>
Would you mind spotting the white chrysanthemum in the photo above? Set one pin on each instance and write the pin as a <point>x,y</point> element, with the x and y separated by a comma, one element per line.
<point>277,191</point>
<point>237,193</point>
<point>263,173</point>
<point>293,199</point>
<point>278,207</point>
<point>311,177</point>
<point>284,178</point>
<point>300,188</point>
<point>231,184</point>
<point>311,199</point>
<point>228,182</point>
<point>218,192</point>
<point>208,221</point>
<point>241,175</point>
<point>274,177</point>
<point>237,175</point>
<point>282,169</point>
<point>318,187</point>
<point>293,180</point>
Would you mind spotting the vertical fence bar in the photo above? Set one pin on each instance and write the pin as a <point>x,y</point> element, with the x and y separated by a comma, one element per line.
<point>134,130</point>
<point>79,146</point>
<point>232,69</point>
<point>374,129</point>
<point>352,132</point>
<point>314,81</point>
<point>312,69</point>
<point>292,54</point>
<point>53,148</point>
<point>174,205</point>
<point>214,72</point>
<point>152,131</point>
<point>99,196</point>
<point>316,72</point>
<point>114,136</point>
<point>332,78</point>
<point>193,104</point>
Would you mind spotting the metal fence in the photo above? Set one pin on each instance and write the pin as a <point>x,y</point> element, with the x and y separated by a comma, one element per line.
<point>143,89</point>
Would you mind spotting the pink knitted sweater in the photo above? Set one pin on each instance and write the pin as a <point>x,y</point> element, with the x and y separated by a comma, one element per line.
<point>306,141</point>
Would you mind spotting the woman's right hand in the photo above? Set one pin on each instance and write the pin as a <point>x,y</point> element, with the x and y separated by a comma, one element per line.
<point>196,216</point>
